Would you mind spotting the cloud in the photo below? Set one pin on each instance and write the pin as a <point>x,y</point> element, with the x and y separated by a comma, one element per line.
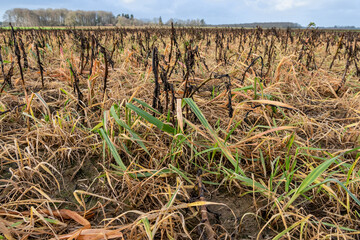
<point>285,5</point>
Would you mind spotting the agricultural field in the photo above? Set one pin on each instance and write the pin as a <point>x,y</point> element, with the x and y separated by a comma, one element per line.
<point>179,133</point>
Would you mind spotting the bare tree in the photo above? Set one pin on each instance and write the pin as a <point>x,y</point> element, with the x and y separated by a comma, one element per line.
<point>57,17</point>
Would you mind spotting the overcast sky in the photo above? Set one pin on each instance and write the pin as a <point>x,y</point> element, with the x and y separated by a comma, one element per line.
<point>322,12</point>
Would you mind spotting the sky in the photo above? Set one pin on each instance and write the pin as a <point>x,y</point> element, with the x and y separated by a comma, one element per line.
<point>322,12</point>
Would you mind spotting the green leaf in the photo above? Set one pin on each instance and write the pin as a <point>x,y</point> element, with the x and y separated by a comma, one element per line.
<point>144,104</point>
<point>147,227</point>
<point>49,47</point>
<point>211,131</point>
<point>178,171</point>
<point>151,119</point>
<point>246,180</point>
<point>124,125</point>
<point>43,102</point>
<point>310,179</point>
<point>113,150</point>
<point>345,188</point>
<point>290,228</point>
<point>64,91</point>
<point>251,87</point>
<point>99,125</point>
<point>335,226</point>
<point>53,221</point>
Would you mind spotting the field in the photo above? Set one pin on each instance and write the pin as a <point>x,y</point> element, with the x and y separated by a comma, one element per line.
<point>179,133</point>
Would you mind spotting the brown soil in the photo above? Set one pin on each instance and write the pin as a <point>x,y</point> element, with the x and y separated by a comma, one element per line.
<point>245,224</point>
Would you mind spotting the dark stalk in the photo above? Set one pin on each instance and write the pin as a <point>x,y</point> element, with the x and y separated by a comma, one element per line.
<point>163,77</point>
<point>7,77</point>
<point>2,66</point>
<point>77,88</point>
<point>251,64</point>
<point>103,51</point>
<point>228,89</point>
<point>343,80</point>
<point>155,66</point>
<point>87,54</point>
<point>92,58</point>
<point>17,53</point>
<point>337,52</point>
<point>26,64</point>
<point>82,55</point>
<point>40,64</point>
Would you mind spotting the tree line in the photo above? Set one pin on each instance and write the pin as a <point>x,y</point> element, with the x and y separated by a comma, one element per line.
<point>188,22</point>
<point>264,25</point>
<point>23,17</point>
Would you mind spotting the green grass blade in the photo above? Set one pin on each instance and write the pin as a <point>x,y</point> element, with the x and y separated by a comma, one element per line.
<point>99,125</point>
<point>124,125</point>
<point>311,178</point>
<point>246,180</point>
<point>290,228</point>
<point>250,87</point>
<point>345,188</point>
<point>178,171</point>
<point>173,196</point>
<point>151,119</point>
<point>335,226</point>
<point>144,104</point>
<point>147,227</point>
<point>113,150</point>
<point>211,131</point>
<point>43,102</point>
